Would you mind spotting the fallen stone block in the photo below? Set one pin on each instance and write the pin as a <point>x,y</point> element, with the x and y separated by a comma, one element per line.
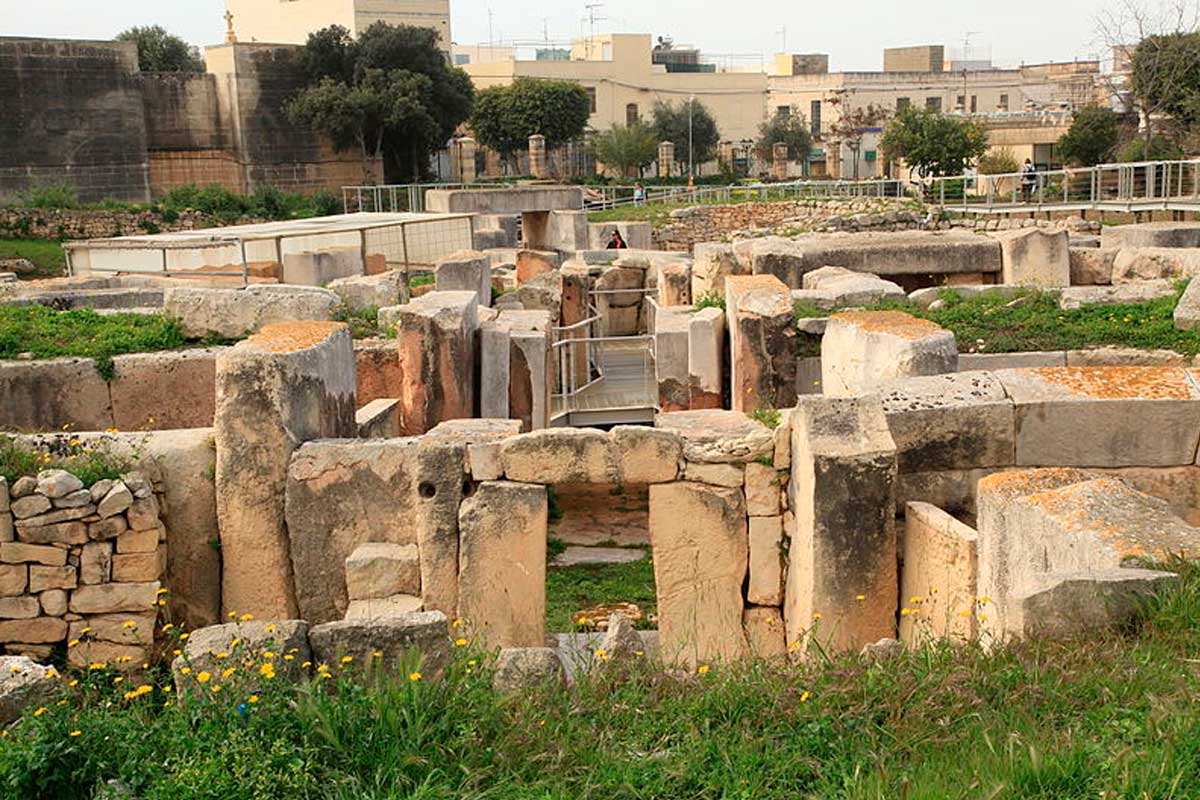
<point>412,644</point>
<point>384,607</point>
<point>1035,257</point>
<point>524,668</point>
<point>377,569</point>
<point>837,287</point>
<point>1134,264</point>
<point>715,436</point>
<point>1092,266</point>
<point>319,267</point>
<point>217,647</point>
<point>1065,604</point>
<point>365,292</point>
<point>378,419</point>
<point>712,263</point>
<point>24,684</point>
<point>1076,297</point>
<point>1104,416</point>
<point>863,349</point>
<point>1187,311</point>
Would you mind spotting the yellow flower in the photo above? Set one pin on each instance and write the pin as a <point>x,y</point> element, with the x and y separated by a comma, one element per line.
<point>817,615</point>
<point>966,613</point>
<point>267,654</point>
<point>75,733</point>
<point>125,659</point>
<point>186,670</point>
<point>246,617</point>
<point>270,629</point>
<point>73,643</point>
<point>129,623</point>
<point>86,630</point>
<point>252,699</point>
<point>804,697</point>
<point>176,652</point>
<point>40,711</point>
<point>216,688</point>
<point>702,669</point>
<point>306,664</point>
<point>861,597</point>
<point>222,655</point>
<point>414,676</point>
<point>227,672</point>
<point>183,636</point>
<point>460,642</point>
<point>456,624</point>
<point>73,682</point>
<point>119,679</point>
<point>289,657</point>
<point>377,654</point>
<point>915,600</point>
<point>982,618</point>
<point>322,668</point>
<point>232,615</point>
<point>204,677</point>
<point>347,659</point>
<point>169,626</point>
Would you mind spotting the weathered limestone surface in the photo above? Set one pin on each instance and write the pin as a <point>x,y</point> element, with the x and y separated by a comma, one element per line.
<point>441,465</point>
<point>289,384</point>
<point>628,454</point>
<point>1152,234</point>
<point>1187,311</point>
<point>1077,297</point>
<point>706,358</point>
<point>236,640</point>
<point>342,495</point>
<point>23,684</point>
<point>362,292</point>
<point>842,493</point>
<point>700,561</point>
<point>231,313</point>
<point>956,421</point>
<point>671,338</point>
<point>377,570</point>
<point>1134,264</point>
<point>523,668</point>
<point>1064,604</point>
<point>765,634</point>
<point>1104,416</point>
<point>466,271</point>
<point>386,643</point>
<point>502,564</point>
<point>940,581</point>
<point>674,283</point>
<point>436,342</point>
<point>712,263</point>
<point>517,371</point>
<point>762,341</point>
<point>837,287</point>
<point>766,561</point>
<point>378,419</point>
<point>1092,266</point>
<point>863,349</point>
<point>1035,257</point>
<point>717,436</point>
<point>49,394</point>
<point>163,391</point>
<point>902,253</point>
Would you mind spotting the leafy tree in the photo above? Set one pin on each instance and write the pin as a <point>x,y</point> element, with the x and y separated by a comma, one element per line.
<point>998,162</point>
<point>1158,148</point>
<point>1092,138</point>
<point>933,144</point>
<point>390,94</point>
<point>159,51</point>
<point>852,125</point>
<point>629,148</point>
<point>790,129</point>
<point>1166,76</point>
<point>506,116</point>
<point>671,125</point>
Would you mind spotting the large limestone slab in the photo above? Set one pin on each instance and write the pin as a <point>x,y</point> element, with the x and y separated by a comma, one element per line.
<point>671,338</point>
<point>1077,297</point>
<point>365,292</point>
<point>1035,257</point>
<point>701,553</point>
<point>1134,264</point>
<point>502,564</point>
<point>628,454</point>
<point>783,258</point>
<point>939,584</point>
<point>903,252</point>
<point>1091,266</point>
<point>863,349</point>
<point>231,313</point>
<point>718,437</point>
<point>1187,310</point>
<point>762,342</point>
<point>291,383</point>
<point>435,337</point>
<point>706,358</point>
<point>837,287</point>
<point>1104,416</point>
<point>164,391</point>
<point>959,421</point>
<point>844,547</point>
<point>1064,604</point>
<point>466,271</point>
<point>1152,234</point>
<point>392,645</point>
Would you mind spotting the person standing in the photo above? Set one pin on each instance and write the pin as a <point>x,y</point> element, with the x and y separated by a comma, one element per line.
<point>616,242</point>
<point>639,195</point>
<point>1028,180</point>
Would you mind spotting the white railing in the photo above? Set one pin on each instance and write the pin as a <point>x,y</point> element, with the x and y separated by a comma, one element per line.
<point>600,198</point>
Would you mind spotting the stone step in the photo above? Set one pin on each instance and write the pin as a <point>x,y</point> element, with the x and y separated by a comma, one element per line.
<point>578,555</point>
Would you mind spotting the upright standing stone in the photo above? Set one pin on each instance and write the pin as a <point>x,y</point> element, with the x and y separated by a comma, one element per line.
<point>701,555</point>
<point>674,284</point>
<point>762,341</point>
<point>435,335</point>
<point>288,384</point>
<point>940,582</point>
<point>1035,257</point>
<point>466,271</point>
<point>671,359</point>
<point>466,159</point>
<point>502,564</point>
<point>706,358</point>
<point>841,581</point>
<point>666,159</point>
<point>537,156</point>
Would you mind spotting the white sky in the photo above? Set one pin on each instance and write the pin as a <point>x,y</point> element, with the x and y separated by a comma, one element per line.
<point>1016,30</point>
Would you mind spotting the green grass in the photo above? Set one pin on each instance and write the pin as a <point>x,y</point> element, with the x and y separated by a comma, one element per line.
<point>90,461</point>
<point>1033,321</point>
<point>46,255</point>
<point>46,333</point>
<point>364,323</point>
<point>571,589</point>
<point>1099,717</point>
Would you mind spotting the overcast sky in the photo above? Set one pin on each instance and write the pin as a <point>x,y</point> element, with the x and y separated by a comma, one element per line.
<point>853,35</point>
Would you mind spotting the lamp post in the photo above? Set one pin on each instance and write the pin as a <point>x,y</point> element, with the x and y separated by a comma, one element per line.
<point>691,164</point>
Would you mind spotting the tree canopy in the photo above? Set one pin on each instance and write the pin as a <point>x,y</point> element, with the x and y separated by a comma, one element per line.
<point>931,143</point>
<point>629,148</point>
<point>853,124</point>
<point>1166,75</point>
<point>1092,138</point>
<point>390,94</point>
<point>159,51</point>
<point>506,116</point>
<point>671,125</point>
<point>790,129</point>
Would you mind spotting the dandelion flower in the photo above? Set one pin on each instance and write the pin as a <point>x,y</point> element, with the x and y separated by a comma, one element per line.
<point>129,623</point>
<point>40,711</point>
<point>414,676</point>
<point>252,699</point>
<point>270,629</point>
<point>347,659</point>
<point>216,688</point>
<point>460,642</point>
<point>804,697</point>
<point>75,733</point>
<point>246,617</point>
<point>861,597</point>
<point>73,682</point>
<point>225,673</point>
<point>186,670</point>
<point>204,677</point>
<point>73,643</point>
<point>702,669</point>
<point>377,654</point>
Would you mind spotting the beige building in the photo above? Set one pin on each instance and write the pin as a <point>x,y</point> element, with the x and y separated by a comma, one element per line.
<point>620,74</point>
<point>291,21</point>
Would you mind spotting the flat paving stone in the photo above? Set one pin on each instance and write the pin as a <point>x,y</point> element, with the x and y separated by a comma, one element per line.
<point>575,556</point>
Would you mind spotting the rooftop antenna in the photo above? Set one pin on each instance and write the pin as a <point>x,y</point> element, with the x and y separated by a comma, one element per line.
<point>783,39</point>
<point>491,41</point>
<point>591,15</point>
<point>546,29</point>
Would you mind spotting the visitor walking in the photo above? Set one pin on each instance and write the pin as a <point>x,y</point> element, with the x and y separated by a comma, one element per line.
<point>639,195</point>
<point>616,242</point>
<point>1028,180</point>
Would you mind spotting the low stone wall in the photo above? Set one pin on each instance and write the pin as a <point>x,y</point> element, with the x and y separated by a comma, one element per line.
<point>80,563</point>
<point>38,223</point>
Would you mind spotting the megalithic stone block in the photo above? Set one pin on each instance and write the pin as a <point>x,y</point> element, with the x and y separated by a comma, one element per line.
<point>435,335</point>
<point>863,349</point>
<point>466,271</point>
<point>762,342</point>
<point>671,328</point>
<point>706,358</point>
<point>841,582</point>
<point>701,557</point>
<point>502,564</point>
<point>290,383</point>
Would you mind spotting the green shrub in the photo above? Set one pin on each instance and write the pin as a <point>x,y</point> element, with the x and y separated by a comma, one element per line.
<point>55,196</point>
<point>710,299</point>
<point>89,460</point>
<point>46,333</point>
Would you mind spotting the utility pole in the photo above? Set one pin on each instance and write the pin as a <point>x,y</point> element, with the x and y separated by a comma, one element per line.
<point>691,108</point>
<point>783,39</point>
<point>491,41</point>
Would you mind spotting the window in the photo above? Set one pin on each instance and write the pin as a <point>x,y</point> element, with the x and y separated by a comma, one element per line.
<point>974,103</point>
<point>961,103</point>
<point>631,114</point>
<point>933,103</point>
<point>783,112</point>
<point>815,117</point>
<point>591,92</point>
<point>1004,102</point>
<point>903,104</point>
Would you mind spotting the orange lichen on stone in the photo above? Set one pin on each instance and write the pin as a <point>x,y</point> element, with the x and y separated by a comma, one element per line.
<point>1031,481</point>
<point>288,337</point>
<point>740,284</point>
<point>895,323</point>
<point>1121,383</point>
